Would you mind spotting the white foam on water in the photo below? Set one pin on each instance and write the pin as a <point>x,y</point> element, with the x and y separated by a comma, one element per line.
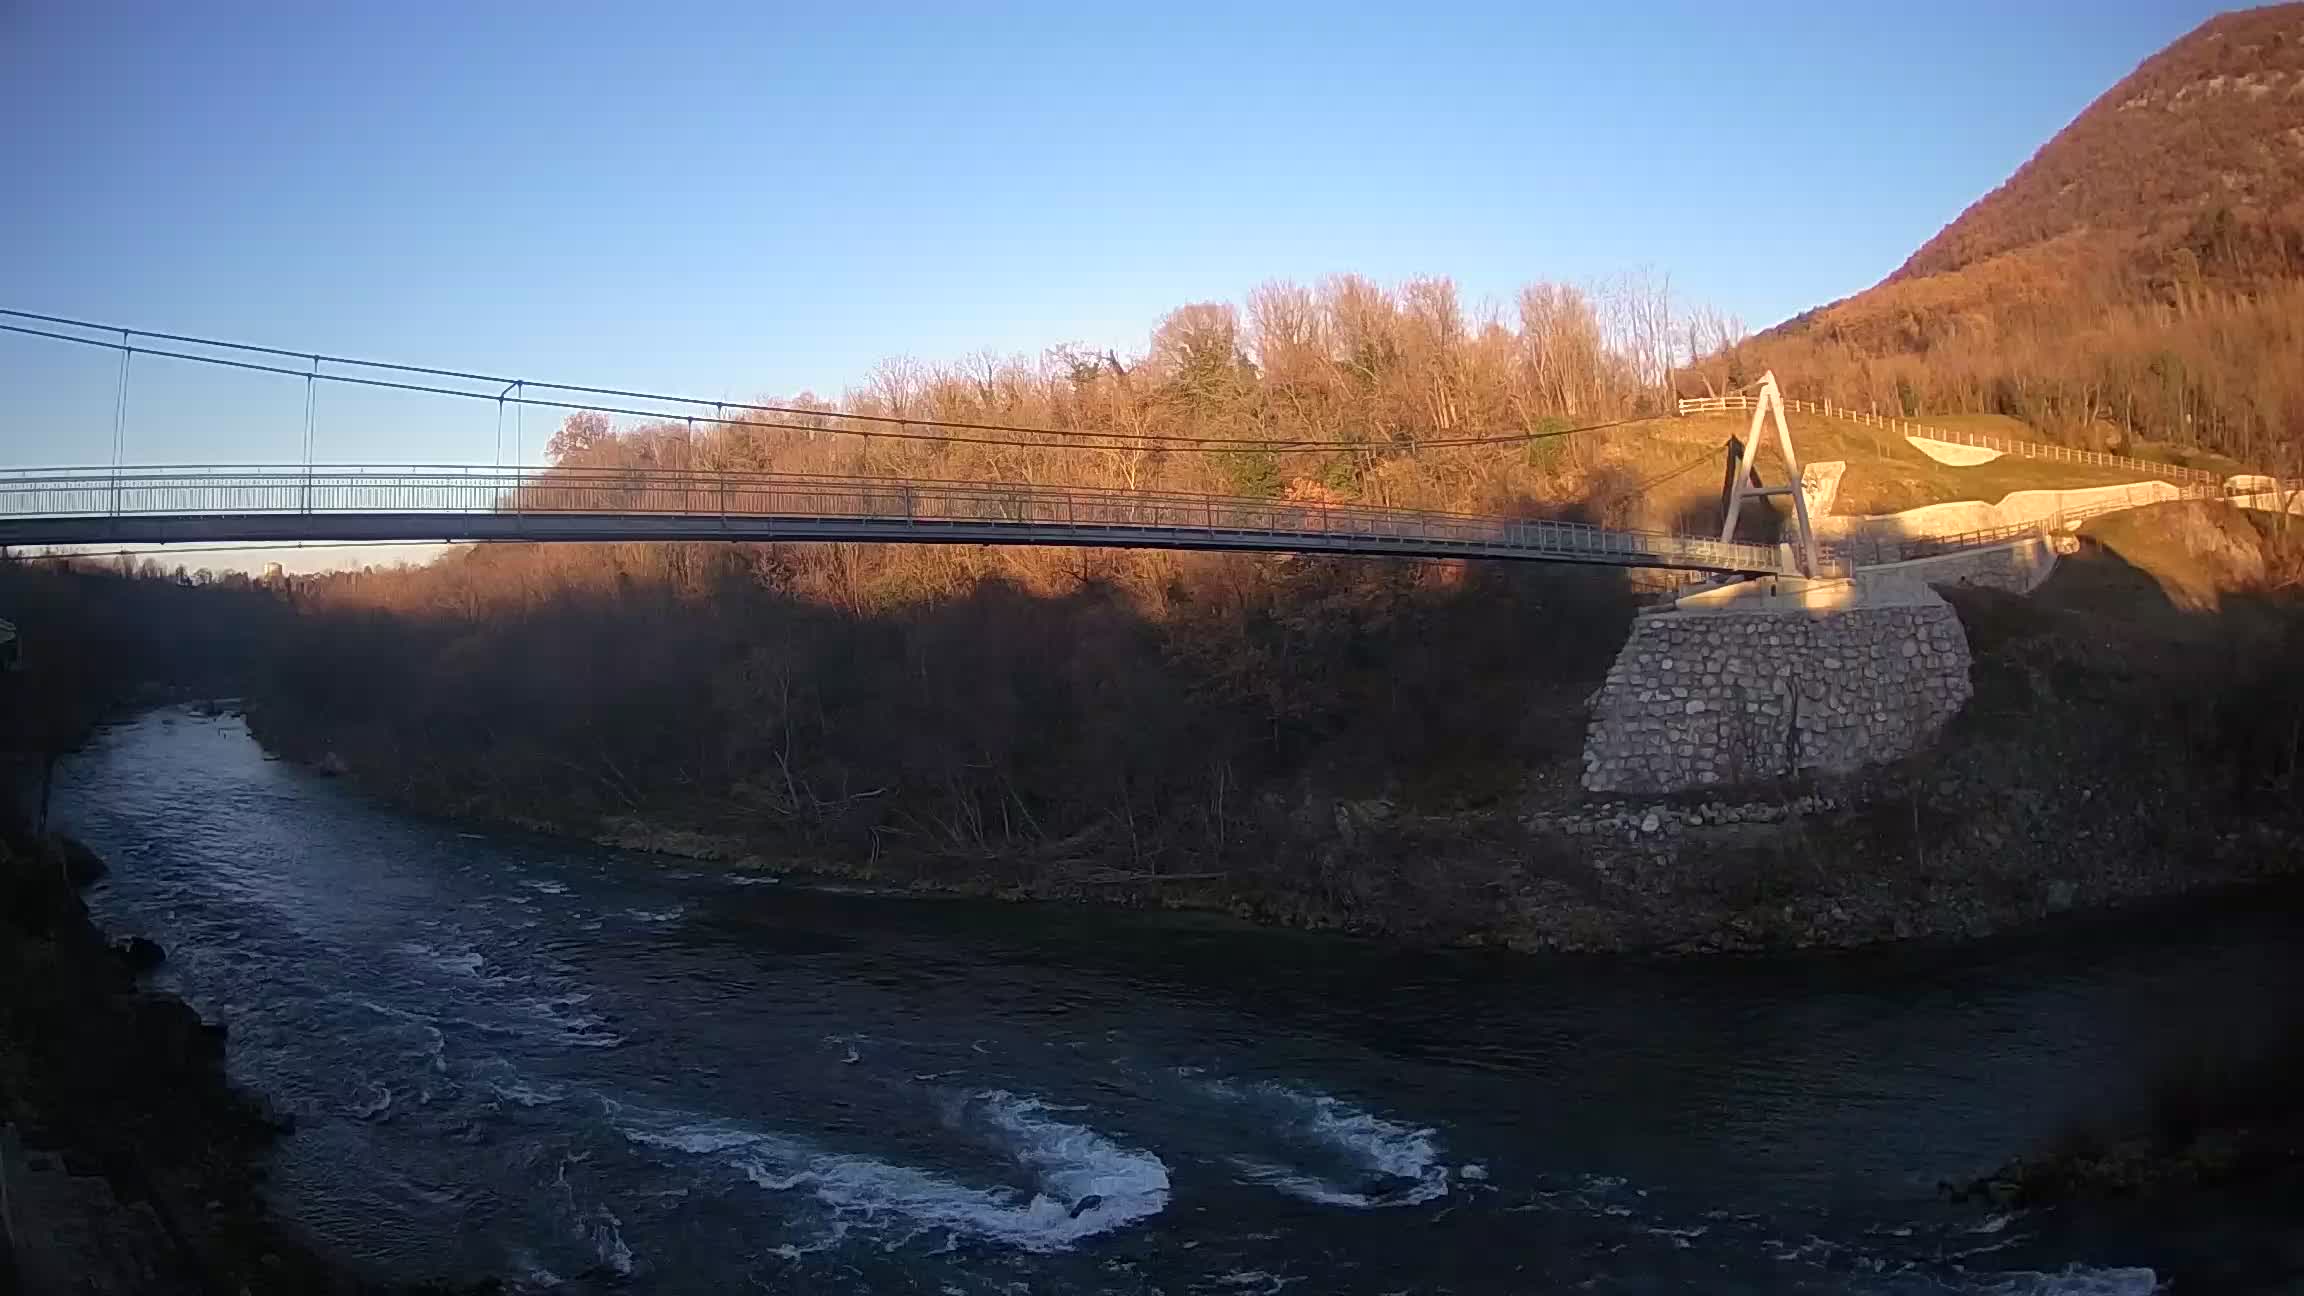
<point>466,963</point>
<point>1256,1280</point>
<point>435,1049</point>
<point>753,879</point>
<point>1067,1163</point>
<point>395,1013</point>
<point>792,1252</point>
<point>555,1018</point>
<point>2077,1280</point>
<point>378,1103</point>
<point>1985,1249</point>
<point>1404,1154</point>
<point>533,1276</point>
<point>603,1230</point>
<point>1306,1187</point>
<point>1815,1250</point>
<point>567,1023</point>
<point>527,1095</point>
<point>1682,1237</point>
<point>459,962</point>
<point>1076,1162</point>
<point>546,887</point>
<point>602,1040</point>
<point>698,1138</point>
<point>656,916</point>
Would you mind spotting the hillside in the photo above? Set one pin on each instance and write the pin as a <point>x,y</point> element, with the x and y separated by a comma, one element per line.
<point>2138,277</point>
<point>2198,148</point>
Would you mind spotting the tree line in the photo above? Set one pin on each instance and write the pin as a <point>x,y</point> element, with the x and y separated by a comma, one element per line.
<point>1376,384</point>
<point>1175,712</point>
<point>2194,339</point>
<point>1162,709</point>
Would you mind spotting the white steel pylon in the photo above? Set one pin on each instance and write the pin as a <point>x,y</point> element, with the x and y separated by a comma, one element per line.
<point>1740,487</point>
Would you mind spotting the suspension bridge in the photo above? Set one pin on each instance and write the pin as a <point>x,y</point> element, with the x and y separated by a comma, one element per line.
<point>1843,659</point>
<point>220,505</point>
<point>127,503</point>
<point>123,503</point>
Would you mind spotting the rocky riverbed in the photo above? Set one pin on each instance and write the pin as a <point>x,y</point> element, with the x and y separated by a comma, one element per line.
<point>129,1163</point>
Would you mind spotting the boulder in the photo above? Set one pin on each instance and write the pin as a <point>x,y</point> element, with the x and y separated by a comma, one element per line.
<point>141,955</point>
<point>82,866</point>
<point>174,1038</point>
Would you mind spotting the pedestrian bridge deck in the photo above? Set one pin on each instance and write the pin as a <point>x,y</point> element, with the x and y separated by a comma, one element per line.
<point>222,505</point>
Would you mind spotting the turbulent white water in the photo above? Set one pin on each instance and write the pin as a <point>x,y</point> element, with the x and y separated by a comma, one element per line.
<point>1079,1183</point>
<point>1349,1156</point>
<point>584,1073</point>
<point>2078,1281</point>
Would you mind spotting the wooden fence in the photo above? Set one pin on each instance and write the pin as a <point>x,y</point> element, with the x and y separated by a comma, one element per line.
<point>2005,445</point>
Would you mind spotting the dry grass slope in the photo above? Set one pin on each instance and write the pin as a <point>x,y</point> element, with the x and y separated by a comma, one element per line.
<point>2140,279</point>
<point>1885,473</point>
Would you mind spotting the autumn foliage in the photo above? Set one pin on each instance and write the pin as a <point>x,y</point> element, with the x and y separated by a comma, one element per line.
<point>2140,279</point>
<point>1157,710</point>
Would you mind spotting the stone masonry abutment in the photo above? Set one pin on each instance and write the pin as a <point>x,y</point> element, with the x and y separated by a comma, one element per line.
<point>1765,688</point>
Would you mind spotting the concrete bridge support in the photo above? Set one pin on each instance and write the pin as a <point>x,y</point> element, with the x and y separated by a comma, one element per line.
<point>1772,678</point>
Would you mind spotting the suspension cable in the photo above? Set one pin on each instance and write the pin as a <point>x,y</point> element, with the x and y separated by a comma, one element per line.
<point>901,425</point>
<point>311,396</point>
<point>120,420</point>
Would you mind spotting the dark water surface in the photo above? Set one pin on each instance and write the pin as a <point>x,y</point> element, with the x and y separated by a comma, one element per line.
<point>573,1066</point>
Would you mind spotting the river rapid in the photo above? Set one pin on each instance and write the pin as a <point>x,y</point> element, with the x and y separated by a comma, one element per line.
<point>584,1070</point>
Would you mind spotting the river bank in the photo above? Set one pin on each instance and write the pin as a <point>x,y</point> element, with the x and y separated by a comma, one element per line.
<point>1838,867</point>
<point>2005,823</point>
<point>2119,749</point>
<point>129,1164</point>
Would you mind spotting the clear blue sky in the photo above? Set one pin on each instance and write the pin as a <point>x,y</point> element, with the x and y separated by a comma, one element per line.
<point>746,199</point>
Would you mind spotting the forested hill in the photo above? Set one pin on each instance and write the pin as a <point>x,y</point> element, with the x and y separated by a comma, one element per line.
<point>2139,277</point>
<point>2202,144</point>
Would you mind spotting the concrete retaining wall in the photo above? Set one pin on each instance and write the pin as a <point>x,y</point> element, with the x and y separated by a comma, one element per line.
<point>2018,508</point>
<point>2018,567</point>
<point>1953,453</point>
<point>1714,699</point>
<point>1820,482</point>
<point>2271,501</point>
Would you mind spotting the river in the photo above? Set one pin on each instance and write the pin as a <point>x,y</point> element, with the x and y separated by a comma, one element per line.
<point>586,1070</point>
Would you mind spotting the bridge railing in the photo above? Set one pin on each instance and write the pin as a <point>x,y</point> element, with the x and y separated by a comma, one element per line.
<point>1983,440</point>
<point>1090,515</point>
